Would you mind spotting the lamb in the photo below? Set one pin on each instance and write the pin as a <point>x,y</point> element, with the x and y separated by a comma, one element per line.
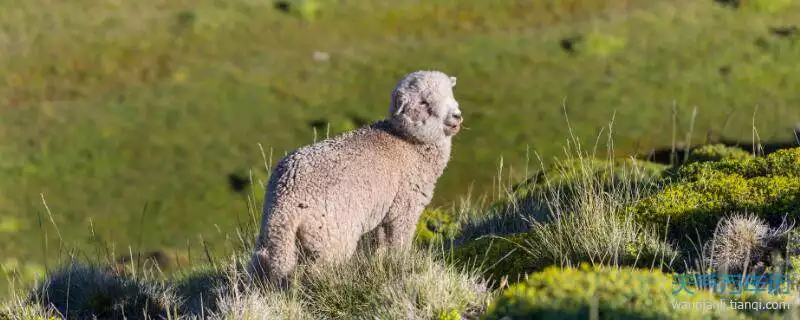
<point>322,198</point>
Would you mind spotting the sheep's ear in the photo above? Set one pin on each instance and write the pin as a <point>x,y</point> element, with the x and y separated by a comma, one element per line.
<point>408,106</point>
<point>453,81</point>
<point>400,104</point>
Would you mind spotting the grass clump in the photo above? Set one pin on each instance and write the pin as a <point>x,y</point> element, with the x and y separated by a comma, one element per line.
<point>605,293</point>
<point>206,290</point>
<point>574,214</point>
<point>22,311</point>
<point>573,174</point>
<point>739,241</point>
<point>387,285</point>
<point>704,192</point>
<point>573,180</point>
<point>393,285</point>
<point>599,239</point>
<point>258,304</point>
<point>83,292</point>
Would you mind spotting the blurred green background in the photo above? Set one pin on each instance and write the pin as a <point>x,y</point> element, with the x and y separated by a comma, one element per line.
<point>128,117</point>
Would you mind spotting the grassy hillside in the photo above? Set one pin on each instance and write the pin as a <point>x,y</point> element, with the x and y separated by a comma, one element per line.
<point>598,254</point>
<point>111,107</point>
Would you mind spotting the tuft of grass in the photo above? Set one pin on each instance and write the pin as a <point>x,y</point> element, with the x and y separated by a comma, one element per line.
<point>20,310</point>
<point>258,304</point>
<point>84,291</point>
<point>741,240</point>
<point>580,216</point>
<point>393,285</point>
<point>584,222</point>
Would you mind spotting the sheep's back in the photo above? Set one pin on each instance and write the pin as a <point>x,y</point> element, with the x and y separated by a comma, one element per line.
<point>358,173</point>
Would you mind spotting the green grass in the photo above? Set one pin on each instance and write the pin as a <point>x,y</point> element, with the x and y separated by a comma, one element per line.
<point>107,108</point>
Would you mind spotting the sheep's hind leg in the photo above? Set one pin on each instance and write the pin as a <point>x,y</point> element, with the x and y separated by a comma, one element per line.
<point>376,239</point>
<point>326,247</point>
<point>277,259</point>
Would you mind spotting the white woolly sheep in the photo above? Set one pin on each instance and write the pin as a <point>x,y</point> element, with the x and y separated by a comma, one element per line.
<point>322,198</point>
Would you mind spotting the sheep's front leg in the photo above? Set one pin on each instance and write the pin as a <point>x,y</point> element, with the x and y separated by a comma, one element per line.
<point>400,230</point>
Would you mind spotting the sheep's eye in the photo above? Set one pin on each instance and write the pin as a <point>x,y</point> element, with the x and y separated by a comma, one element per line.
<point>424,103</point>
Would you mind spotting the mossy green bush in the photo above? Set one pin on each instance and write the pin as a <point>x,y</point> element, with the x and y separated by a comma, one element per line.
<point>610,293</point>
<point>717,152</point>
<point>704,192</point>
<point>434,226</point>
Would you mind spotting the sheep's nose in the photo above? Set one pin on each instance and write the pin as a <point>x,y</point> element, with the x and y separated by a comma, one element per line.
<point>457,116</point>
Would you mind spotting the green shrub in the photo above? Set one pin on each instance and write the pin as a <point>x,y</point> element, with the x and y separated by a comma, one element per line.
<point>717,152</point>
<point>434,226</point>
<point>704,192</point>
<point>612,293</point>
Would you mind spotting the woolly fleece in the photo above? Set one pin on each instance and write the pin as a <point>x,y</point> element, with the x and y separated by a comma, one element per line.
<point>322,198</point>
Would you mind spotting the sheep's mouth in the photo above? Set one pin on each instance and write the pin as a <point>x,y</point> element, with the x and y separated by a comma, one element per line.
<point>452,128</point>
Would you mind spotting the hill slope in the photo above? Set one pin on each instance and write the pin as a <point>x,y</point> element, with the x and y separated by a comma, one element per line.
<point>107,110</point>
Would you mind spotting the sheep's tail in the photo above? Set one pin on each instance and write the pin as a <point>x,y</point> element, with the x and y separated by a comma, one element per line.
<point>276,254</point>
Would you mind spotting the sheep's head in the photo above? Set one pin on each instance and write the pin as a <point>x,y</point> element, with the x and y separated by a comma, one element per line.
<point>424,108</point>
